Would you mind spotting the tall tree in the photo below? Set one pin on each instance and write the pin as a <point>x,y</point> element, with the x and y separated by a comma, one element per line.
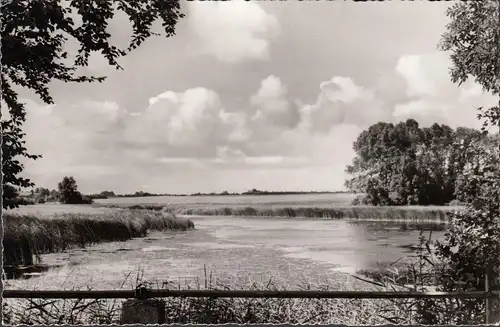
<point>33,38</point>
<point>68,191</point>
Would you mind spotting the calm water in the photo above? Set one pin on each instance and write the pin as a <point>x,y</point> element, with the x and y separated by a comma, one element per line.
<point>236,248</point>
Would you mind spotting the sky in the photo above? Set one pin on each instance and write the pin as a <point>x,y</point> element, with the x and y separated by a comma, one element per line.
<point>266,95</point>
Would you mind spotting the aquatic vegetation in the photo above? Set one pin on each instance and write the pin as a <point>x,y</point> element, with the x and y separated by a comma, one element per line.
<point>28,235</point>
<point>375,213</point>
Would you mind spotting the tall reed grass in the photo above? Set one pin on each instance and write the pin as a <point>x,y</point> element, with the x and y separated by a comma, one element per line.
<point>372,213</point>
<point>415,214</point>
<point>28,235</point>
<point>211,310</point>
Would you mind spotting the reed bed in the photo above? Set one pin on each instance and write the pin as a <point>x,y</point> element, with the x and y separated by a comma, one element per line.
<point>212,310</point>
<point>367,213</point>
<point>28,235</point>
<point>413,214</point>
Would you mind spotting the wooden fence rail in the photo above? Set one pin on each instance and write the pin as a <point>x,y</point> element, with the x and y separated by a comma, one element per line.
<point>143,293</point>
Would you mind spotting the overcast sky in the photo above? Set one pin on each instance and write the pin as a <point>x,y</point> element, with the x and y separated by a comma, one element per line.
<point>266,95</point>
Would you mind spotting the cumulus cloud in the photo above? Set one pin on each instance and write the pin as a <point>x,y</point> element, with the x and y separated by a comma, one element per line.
<point>341,101</point>
<point>184,118</point>
<point>432,97</point>
<point>192,133</point>
<point>426,75</point>
<point>272,105</point>
<point>233,31</point>
<point>237,123</point>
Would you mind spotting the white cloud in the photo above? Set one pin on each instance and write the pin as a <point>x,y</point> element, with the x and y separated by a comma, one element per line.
<point>191,136</point>
<point>341,101</point>
<point>233,31</point>
<point>237,123</point>
<point>272,104</point>
<point>229,155</point>
<point>191,121</point>
<point>433,97</point>
<point>186,118</point>
<point>425,74</point>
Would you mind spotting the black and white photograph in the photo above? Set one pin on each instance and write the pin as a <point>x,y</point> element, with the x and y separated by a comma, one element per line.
<point>250,162</point>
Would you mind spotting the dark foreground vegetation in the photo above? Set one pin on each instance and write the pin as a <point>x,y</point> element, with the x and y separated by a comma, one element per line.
<point>209,310</point>
<point>27,236</point>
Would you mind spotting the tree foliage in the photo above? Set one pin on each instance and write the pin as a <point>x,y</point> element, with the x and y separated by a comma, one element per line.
<point>10,195</point>
<point>68,192</point>
<point>404,164</point>
<point>469,254</point>
<point>473,39</point>
<point>34,37</point>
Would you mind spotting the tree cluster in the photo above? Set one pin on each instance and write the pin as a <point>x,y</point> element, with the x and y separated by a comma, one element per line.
<point>405,164</point>
<point>468,257</point>
<point>69,194</point>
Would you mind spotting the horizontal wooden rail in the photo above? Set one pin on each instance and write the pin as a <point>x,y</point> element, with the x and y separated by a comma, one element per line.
<point>151,293</point>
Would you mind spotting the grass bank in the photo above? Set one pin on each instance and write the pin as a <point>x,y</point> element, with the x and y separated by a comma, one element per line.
<point>413,214</point>
<point>29,235</point>
<point>211,310</point>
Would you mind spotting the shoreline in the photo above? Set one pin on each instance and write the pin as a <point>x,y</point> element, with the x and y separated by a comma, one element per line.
<point>27,236</point>
<point>417,214</point>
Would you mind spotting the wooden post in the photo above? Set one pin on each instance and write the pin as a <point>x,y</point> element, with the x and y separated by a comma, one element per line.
<point>138,311</point>
<point>26,252</point>
<point>488,304</point>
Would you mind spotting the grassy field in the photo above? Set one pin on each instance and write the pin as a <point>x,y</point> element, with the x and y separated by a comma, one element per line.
<point>27,235</point>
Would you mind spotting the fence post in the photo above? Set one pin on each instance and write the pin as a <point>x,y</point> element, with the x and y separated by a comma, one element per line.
<point>488,304</point>
<point>143,311</point>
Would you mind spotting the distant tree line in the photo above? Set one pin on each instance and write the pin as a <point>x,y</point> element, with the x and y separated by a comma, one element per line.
<point>67,193</point>
<point>107,194</point>
<point>404,164</point>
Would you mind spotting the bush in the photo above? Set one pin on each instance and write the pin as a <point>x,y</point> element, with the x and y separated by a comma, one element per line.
<point>40,200</point>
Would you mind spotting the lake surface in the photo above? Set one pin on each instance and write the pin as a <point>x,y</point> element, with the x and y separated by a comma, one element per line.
<point>236,249</point>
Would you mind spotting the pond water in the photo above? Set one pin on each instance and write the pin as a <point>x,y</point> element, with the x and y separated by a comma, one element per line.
<point>235,249</point>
